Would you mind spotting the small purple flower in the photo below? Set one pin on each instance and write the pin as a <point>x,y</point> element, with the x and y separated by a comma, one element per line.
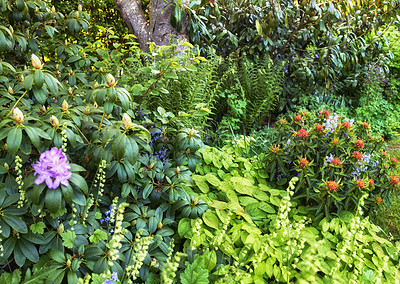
<point>109,281</point>
<point>114,276</point>
<point>52,168</point>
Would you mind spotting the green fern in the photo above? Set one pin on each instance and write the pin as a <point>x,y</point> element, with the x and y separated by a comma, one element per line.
<point>261,82</point>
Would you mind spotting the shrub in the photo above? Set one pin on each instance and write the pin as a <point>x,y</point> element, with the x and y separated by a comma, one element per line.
<point>337,161</point>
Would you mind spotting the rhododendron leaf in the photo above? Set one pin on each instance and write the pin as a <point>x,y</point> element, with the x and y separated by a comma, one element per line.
<point>53,199</point>
<point>14,139</point>
<point>79,181</point>
<point>16,223</point>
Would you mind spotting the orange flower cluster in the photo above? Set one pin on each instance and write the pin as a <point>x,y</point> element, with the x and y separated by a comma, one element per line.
<point>366,125</point>
<point>275,149</point>
<point>335,141</point>
<point>282,121</point>
<point>325,114</point>
<point>337,162</point>
<point>360,184</point>
<point>393,160</point>
<point>332,186</point>
<point>360,143</point>
<point>303,163</point>
<point>302,133</point>
<point>357,155</point>
<point>395,180</point>
<point>378,199</point>
<point>319,128</point>
<point>371,182</point>
<point>298,118</point>
<point>346,125</point>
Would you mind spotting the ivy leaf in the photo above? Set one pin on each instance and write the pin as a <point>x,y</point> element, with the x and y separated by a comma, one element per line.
<point>98,236</point>
<point>195,273</point>
<point>38,228</point>
<point>68,238</point>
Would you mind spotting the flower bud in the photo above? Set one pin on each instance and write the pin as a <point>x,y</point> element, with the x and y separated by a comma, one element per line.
<point>110,80</point>
<point>95,85</point>
<point>68,263</point>
<point>18,115</point>
<point>126,120</point>
<point>66,43</point>
<point>22,79</point>
<point>80,7</point>
<point>178,170</point>
<point>70,91</point>
<point>87,110</point>
<point>95,105</point>
<point>36,63</point>
<point>53,9</point>
<point>160,225</point>
<point>64,105</point>
<point>54,121</point>
<point>60,229</point>
<point>10,90</point>
<point>43,108</point>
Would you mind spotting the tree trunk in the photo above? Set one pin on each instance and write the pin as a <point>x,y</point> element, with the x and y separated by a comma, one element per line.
<point>158,29</point>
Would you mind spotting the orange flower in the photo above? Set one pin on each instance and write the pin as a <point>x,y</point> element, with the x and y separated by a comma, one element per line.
<point>319,128</point>
<point>275,149</point>
<point>381,139</point>
<point>360,183</point>
<point>282,121</point>
<point>335,141</point>
<point>346,124</point>
<point>297,118</point>
<point>360,143</point>
<point>395,180</point>
<point>332,186</point>
<point>336,162</point>
<point>366,125</point>
<point>302,133</point>
<point>357,155</point>
<point>378,199</point>
<point>384,153</point>
<point>324,113</point>
<point>303,163</point>
<point>393,160</point>
<point>371,182</point>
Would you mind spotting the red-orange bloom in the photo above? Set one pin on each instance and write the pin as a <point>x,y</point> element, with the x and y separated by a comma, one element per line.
<point>325,113</point>
<point>366,125</point>
<point>360,143</point>
<point>393,160</point>
<point>395,180</point>
<point>335,141</point>
<point>303,163</point>
<point>357,155</point>
<point>304,112</point>
<point>384,153</point>
<point>346,124</point>
<point>381,139</point>
<point>282,121</point>
<point>297,118</point>
<point>336,162</point>
<point>332,185</point>
<point>302,133</point>
<point>275,149</point>
<point>319,128</point>
<point>378,199</point>
<point>371,182</point>
<point>360,183</point>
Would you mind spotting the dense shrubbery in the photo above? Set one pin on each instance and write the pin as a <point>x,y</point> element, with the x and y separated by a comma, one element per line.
<point>337,161</point>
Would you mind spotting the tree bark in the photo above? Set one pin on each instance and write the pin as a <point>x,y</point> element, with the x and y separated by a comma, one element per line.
<point>158,29</point>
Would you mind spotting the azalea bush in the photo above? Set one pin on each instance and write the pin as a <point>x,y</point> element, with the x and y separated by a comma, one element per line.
<point>337,161</point>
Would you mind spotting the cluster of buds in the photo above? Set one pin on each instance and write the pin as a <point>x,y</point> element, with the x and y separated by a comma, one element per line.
<point>359,143</point>
<point>357,155</point>
<point>298,118</point>
<point>319,128</point>
<point>336,162</point>
<point>346,125</point>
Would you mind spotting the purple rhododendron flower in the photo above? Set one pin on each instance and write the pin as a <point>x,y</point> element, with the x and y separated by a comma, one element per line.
<point>53,168</point>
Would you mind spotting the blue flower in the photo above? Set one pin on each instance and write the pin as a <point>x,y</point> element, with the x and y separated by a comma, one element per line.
<point>114,276</point>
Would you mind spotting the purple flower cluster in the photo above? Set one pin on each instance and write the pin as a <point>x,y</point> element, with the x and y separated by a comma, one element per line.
<point>114,277</point>
<point>52,168</point>
<point>142,115</point>
<point>162,153</point>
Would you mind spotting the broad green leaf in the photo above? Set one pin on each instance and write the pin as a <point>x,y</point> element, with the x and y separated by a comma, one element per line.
<point>14,139</point>
<point>68,238</point>
<point>211,220</point>
<point>38,227</point>
<point>16,223</point>
<point>98,235</point>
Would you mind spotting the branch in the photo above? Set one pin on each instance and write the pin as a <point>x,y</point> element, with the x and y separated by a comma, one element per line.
<point>132,13</point>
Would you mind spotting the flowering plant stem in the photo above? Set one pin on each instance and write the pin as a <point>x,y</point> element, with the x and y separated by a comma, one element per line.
<point>16,103</point>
